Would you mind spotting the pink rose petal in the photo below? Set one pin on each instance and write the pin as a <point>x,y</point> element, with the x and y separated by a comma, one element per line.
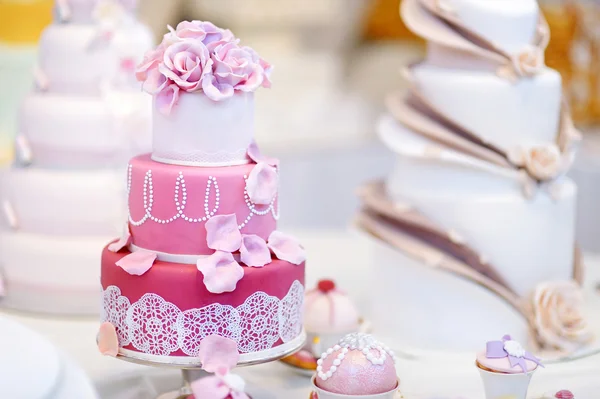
<point>218,354</point>
<point>255,155</point>
<point>211,387</point>
<point>221,272</point>
<point>137,263</point>
<point>254,251</point>
<point>286,248</point>
<point>262,184</point>
<point>223,234</point>
<point>124,241</point>
<point>108,342</point>
<point>167,98</point>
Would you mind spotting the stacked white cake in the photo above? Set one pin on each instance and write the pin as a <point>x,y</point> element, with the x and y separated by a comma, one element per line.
<point>476,221</point>
<point>63,199</point>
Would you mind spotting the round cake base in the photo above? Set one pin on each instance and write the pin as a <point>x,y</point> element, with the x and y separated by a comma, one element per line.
<point>188,362</point>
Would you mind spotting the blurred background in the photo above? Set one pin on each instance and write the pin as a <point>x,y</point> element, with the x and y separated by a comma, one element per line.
<point>335,60</point>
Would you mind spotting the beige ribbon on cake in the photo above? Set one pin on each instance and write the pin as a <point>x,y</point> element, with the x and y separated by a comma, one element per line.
<point>435,21</point>
<point>416,112</point>
<point>404,228</point>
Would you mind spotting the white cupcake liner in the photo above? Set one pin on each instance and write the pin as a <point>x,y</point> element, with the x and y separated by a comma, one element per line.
<point>321,394</point>
<point>505,386</point>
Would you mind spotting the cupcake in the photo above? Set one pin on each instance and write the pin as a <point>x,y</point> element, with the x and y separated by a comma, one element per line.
<point>506,369</point>
<point>329,314</point>
<point>358,366</point>
<point>562,394</point>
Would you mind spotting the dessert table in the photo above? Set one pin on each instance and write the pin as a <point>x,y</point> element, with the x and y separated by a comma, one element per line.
<point>423,375</point>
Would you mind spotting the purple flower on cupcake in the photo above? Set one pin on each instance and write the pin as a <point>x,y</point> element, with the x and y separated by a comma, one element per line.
<point>199,56</point>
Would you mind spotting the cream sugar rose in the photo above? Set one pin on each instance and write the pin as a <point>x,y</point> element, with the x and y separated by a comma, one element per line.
<point>358,366</point>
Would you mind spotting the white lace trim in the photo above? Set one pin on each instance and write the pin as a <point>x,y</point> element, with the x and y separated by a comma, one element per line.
<point>181,200</point>
<point>157,327</point>
<point>199,158</point>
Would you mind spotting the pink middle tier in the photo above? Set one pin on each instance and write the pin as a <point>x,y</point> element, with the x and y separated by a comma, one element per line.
<point>170,204</point>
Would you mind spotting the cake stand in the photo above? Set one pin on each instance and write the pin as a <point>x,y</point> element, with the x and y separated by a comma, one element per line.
<point>191,368</point>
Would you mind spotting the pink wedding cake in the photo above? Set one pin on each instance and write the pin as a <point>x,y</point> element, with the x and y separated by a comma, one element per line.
<point>63,198</point>
<point>201,254</point>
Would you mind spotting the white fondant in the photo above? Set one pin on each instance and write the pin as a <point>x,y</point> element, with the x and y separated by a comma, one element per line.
<point>526,240</point>
<point>86,131</point>
<point>504,113</point>
<point>20,348</point>
<point>76,60</point>
<point>51,274</point>
<point>64,202</point>
<point>510,24</point>
<point>433,309</point>
<point>200,131</point>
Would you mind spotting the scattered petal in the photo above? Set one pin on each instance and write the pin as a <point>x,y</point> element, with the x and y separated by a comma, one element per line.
<point>262,184</point>
<point>124,241</point>
<point>108,342</point>
<point>221,272</point>
<point>286,248</point>
<point>209,388</point>
<point>223,234</point>
<point>254,251</point>
<point>137,263</point>
<point>218,354</point>
<point>255,155</point>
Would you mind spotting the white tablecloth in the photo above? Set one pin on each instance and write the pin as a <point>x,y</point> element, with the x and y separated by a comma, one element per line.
<point>345,257</point>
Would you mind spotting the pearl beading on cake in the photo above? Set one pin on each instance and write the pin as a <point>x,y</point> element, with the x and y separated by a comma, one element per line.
<point>252,207</point>
<point>181,200</point>
<point>358,341</point>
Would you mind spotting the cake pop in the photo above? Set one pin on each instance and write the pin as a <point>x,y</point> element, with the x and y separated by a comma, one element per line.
<point>506,369</point>
<point>358,366</point>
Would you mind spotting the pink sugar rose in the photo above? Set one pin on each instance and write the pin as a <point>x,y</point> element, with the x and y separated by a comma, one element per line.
<point>167,98</point>
<point>186,62</point>
<point>151,60</point>
<point>210,35</point>
<point>234,69</point>
<point>267,68</point>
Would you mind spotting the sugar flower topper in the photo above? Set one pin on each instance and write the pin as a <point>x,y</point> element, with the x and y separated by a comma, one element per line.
<point>512,350</point>
<point>198,56</point>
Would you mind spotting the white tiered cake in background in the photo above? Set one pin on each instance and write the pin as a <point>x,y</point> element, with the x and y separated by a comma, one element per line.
<point>475,224</point>
<point>21,23</point>
<point>64,197</point>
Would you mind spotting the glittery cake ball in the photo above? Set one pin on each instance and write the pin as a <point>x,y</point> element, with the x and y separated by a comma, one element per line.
<point>357,365</point>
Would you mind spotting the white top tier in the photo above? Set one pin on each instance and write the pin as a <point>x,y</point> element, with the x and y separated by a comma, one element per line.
<point>510,24</point>
<point>203,132</point>
<point>76,60</point>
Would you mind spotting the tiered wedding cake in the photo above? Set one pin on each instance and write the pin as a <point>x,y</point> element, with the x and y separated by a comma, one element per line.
<point>475,224</point>
<point>201,254</point>
<point>21,24</point>
<point>64,197</point>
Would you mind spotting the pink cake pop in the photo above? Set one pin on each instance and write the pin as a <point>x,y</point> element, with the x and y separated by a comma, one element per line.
<point>357,365</point>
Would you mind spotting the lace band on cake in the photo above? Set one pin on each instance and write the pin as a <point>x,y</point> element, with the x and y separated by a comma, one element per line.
<point>155,326</point>
<point>200,158</point>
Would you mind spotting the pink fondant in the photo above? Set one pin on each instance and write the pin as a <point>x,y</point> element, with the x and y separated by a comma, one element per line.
<point>182,285</point>
<point>180,236</point>
<point>502,365</point>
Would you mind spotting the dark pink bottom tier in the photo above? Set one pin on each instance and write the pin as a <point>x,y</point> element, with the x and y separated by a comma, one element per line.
<point>167,311</point>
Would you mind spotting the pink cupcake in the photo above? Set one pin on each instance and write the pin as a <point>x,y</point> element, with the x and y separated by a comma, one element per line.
<point>357,367</point>
<point>506,369</point>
